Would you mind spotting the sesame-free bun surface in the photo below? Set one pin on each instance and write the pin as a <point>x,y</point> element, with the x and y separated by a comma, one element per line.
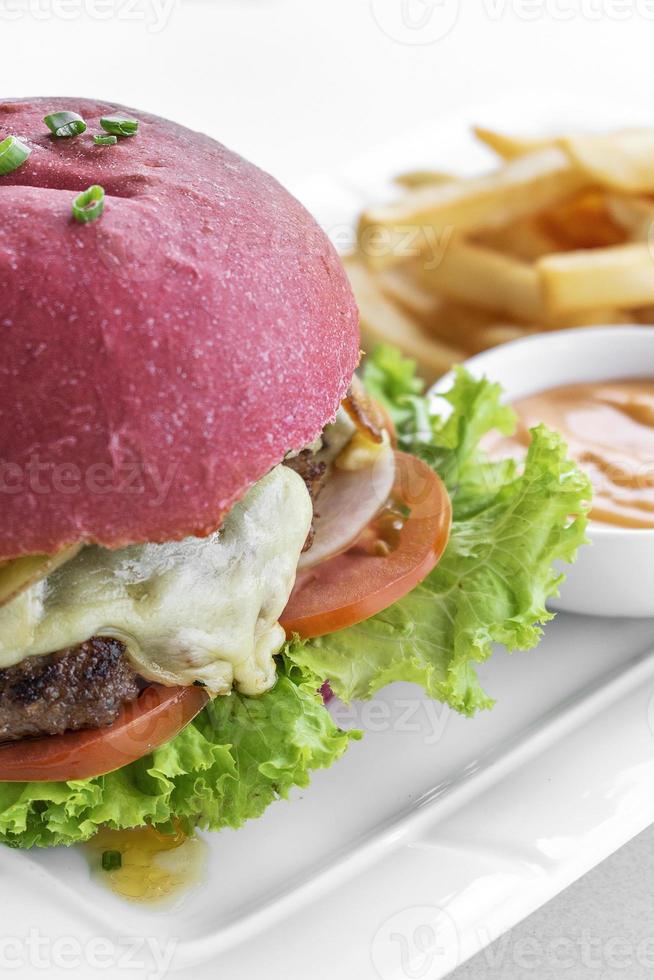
<point>157,362</point>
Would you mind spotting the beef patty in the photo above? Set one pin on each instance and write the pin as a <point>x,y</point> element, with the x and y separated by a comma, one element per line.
<point>83,686</point>
<point>314,474</point>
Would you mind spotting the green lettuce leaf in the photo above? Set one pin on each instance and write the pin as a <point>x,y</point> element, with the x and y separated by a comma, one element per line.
<point>491,586</point>
<point>238,756</point>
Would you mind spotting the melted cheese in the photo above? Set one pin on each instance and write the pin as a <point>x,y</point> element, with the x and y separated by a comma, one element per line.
<point>202,609</point>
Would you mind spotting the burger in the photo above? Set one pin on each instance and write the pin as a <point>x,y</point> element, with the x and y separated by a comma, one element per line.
<point>205,515</point>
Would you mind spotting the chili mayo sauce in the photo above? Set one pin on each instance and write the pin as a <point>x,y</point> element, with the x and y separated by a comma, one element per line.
<point>609,428</point>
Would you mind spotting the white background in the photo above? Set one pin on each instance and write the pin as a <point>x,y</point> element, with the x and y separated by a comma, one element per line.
<point>304,85</point>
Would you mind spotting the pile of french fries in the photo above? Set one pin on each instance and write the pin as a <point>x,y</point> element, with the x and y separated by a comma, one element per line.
<point>560,235</point>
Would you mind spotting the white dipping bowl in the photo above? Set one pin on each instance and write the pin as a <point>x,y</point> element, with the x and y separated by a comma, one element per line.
<point>614,575</point>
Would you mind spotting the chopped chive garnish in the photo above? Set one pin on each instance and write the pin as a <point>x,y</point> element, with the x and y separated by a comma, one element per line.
<point>119,125</point>
<point>65,124</point>
<point>89,205</point>
<point>105,140</point>
<point>111,860</point>
<point>13,154</point>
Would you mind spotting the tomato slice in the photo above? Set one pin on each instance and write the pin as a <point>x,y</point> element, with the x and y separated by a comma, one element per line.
<point>155,717</point>
<point>353,586</point>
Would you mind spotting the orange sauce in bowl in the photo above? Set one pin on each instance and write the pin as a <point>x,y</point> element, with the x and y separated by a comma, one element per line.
<point>609,429</point>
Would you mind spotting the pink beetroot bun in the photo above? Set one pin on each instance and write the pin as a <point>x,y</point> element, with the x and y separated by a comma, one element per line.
<point>157,362</point>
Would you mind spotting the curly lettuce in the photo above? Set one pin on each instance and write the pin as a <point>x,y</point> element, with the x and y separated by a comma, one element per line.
<point>511,527</point>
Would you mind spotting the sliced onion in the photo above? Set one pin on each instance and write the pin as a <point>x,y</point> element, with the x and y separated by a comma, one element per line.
<point>349,500</point>
<point>364,412</point>
<point>19,574</point>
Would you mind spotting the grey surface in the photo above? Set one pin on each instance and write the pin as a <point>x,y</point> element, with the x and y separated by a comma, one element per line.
<point>601,928</point>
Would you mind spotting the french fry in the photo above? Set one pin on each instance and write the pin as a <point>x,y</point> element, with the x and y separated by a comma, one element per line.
<point>498,333</point>
<point>598,317</point>
<point>635,215</point>
<point>525,239</point>
<point>620,161</point>
<point>480,277</point>
<point>383,322</point>
<point>644,314</point>
<point>425,218</point>
<point>582,221</point>
<point>623,161</point>
<point>423,178</point>
<point>400,285</point>
<point>475,330</point>
<point>510,147</point>
<point>460,325</point>
<point>455,319</point>
<point>622,276</point>
<point>558,236</point>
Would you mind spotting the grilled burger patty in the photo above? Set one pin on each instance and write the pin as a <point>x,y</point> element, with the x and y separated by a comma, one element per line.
<point>81,687</point>
<point>314,474</point>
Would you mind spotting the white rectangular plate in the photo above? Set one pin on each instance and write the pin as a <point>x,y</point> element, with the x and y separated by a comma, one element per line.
<point>435,833</point>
